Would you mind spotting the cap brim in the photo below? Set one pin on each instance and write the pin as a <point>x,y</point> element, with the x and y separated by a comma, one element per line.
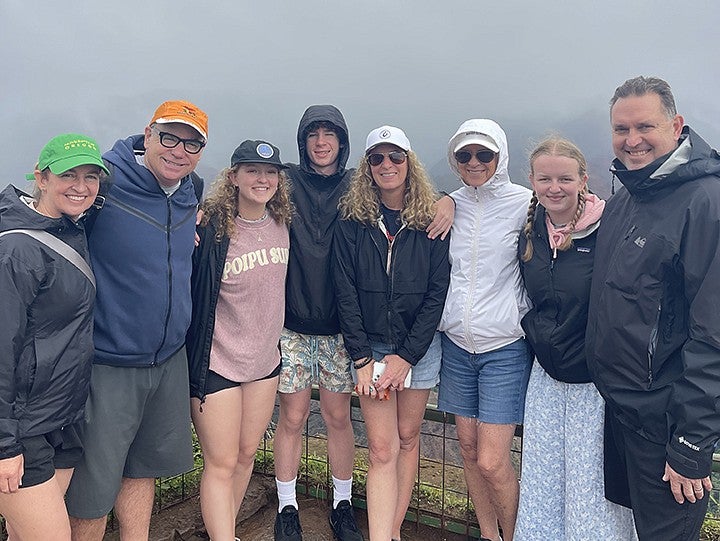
<point>239,162</point>
<point>60,166</point>
<point>170,120</point>
<point>482,140</point>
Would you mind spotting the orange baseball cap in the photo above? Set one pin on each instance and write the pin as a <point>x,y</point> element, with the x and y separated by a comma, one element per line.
<point>183,112</point>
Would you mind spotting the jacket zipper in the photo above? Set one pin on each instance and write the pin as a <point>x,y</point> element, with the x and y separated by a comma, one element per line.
<point>389,269</point>
<point>472,288</point>
<point>652,345</point>
<point>169,259</point>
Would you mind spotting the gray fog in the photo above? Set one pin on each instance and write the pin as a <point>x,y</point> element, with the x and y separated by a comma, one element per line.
<point>101,68</point>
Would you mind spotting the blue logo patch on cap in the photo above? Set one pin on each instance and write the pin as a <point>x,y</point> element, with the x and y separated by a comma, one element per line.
<point>264,150</point>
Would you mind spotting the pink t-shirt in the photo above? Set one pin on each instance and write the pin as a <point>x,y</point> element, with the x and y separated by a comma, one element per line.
<point>251,303</point>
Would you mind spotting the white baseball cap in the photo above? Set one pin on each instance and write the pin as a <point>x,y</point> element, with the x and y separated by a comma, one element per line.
<point>387,134</point>
<point>474,138</point>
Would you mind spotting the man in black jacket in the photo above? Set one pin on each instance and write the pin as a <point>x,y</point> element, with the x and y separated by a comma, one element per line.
<point>653,337</point>
<point>311,344</point>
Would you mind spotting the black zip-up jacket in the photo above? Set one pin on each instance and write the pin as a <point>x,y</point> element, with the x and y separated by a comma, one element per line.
<point>310,303</point>
<point>46,326</point>
<point>653,336</point>
<point>560,290</point>
<point>398,304</point>
<point>208,262</point>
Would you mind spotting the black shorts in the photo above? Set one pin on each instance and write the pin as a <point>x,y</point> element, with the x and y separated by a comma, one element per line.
<point>214,382</point>
<point>57,450</point>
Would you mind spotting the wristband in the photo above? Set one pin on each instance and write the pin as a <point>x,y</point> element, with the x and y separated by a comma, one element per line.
<point>362,363</point>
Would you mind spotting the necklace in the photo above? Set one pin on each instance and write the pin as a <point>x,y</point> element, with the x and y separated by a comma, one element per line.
<point>265,215</point>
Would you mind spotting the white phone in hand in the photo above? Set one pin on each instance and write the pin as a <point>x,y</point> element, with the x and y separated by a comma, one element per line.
<point>379,368</point>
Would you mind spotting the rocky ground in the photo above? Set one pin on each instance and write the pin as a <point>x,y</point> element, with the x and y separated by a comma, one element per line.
<point>182,522</point>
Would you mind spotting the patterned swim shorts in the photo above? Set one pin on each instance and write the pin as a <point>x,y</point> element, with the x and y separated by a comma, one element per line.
<point>310,358</point>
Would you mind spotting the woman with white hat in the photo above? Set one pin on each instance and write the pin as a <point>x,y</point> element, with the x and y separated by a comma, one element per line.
<point>391,281</point>
<point>486,362</point>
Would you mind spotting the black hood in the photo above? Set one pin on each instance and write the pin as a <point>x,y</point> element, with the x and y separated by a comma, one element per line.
<point>703,161</point>
<point>15,214</point>
<point>323,113</point>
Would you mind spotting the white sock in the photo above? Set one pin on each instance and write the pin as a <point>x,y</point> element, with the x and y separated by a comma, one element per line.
<point>342,490</point>
<point>286,494</point>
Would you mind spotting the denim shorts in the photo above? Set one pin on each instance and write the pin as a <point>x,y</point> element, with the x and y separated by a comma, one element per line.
<point>425,374</point>
<point>488,386</point>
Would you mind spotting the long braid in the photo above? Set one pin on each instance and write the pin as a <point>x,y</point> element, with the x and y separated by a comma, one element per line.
<point>578,214</point>
<point>528,229</point>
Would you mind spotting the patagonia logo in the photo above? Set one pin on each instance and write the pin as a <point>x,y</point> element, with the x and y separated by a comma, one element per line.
<point>583,249</point>
<point>682,440</point>
<point>640,241</point>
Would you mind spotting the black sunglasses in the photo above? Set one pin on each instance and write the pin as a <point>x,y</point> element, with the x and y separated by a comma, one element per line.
<point>191,146</point>
<point>396,156</point>
<point>484,156</point>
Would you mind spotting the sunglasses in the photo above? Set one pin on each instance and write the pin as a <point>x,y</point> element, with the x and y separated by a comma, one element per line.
<point>191,146</point>
<point>396,156</point>
<point>484,156</point>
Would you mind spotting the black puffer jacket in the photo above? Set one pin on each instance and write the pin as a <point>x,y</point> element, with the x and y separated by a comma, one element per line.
<point>310,303</point>
<point>559,290</point>
<point>46,326</point>
<point>400,304</point>
<point>653,336</point>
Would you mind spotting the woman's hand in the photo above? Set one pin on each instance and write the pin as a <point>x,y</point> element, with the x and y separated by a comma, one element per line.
<point>11,472</point>
<point>396,370</point>
<point>365,385</point>
<point>444,217</point>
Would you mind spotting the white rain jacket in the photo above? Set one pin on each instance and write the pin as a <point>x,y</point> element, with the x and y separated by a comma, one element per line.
<point>486,299</point>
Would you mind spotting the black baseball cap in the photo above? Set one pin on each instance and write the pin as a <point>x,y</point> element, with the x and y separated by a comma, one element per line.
<point>251,151</point>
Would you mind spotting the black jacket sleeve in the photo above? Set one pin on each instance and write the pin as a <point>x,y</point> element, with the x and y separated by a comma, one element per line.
<point>695,403</point>
<point>19,285</point>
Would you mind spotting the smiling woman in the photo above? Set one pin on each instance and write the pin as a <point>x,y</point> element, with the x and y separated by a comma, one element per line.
<point>45,335</point>
<point>391,280</point>
<point>238,292</point>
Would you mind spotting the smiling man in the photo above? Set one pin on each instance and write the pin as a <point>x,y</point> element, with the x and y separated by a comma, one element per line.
<point>311,344</point>
<point>653,336</point>
<point>137,424</point>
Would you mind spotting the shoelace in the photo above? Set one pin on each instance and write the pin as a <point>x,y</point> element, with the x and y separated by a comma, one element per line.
<point>291,524</point>
<point>347,519</point>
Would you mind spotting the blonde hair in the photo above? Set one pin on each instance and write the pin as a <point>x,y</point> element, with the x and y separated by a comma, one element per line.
<point>221,206</point>
<point>361,202</point>
<point>555,146</point>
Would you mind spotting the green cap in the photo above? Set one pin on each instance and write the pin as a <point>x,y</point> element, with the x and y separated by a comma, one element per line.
<point>67,151</point>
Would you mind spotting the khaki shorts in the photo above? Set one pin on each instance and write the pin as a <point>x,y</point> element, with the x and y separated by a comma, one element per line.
<point>308,359</point>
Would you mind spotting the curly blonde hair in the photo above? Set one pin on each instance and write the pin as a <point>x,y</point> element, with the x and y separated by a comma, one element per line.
<point>361,202</point>
<point>221,206</point>
<point>555,146</point>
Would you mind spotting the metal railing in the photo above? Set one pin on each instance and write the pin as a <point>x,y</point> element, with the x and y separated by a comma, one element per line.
<point>440,497</point>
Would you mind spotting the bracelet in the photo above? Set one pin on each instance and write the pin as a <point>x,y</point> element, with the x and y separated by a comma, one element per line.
<point>362,363</point>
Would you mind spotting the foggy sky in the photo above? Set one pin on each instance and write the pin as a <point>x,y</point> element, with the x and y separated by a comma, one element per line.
<point>101,68</point>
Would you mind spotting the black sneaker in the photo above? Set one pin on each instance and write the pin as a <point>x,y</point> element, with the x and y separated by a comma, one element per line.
<point>342,522</point>
<point>287,525</point>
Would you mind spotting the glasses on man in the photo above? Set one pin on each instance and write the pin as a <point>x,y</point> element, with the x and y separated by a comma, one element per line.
<point>396,156</point>
<point>169,140</point>
<point>484,156</point>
